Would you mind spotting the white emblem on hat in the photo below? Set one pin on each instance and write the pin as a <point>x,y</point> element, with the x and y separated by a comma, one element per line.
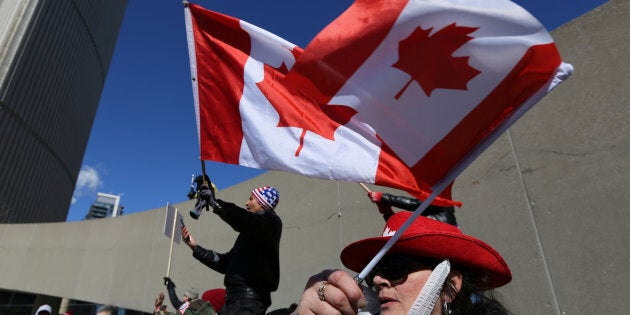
<point>388,232</point>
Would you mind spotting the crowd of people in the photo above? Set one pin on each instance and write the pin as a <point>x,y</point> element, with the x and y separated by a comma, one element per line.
<point>433,268</point>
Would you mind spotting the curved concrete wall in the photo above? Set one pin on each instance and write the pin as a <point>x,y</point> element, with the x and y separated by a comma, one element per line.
<point>122,260</point>
<point>551,195</point>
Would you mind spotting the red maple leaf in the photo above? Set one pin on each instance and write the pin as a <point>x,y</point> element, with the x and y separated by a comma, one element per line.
<point>429,61</point>
<point>295,110</point>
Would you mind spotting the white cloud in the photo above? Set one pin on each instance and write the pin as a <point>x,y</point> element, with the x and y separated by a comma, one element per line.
<point>89,178</point>
<point>89,181</point>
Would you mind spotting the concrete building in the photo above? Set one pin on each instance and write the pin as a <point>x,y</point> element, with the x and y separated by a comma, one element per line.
<point>54,57</point>
<point>551,195</point>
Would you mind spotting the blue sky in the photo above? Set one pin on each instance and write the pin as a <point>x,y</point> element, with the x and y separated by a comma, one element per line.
<point>143,145</point>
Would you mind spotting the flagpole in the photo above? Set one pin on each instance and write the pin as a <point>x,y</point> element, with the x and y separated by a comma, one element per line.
<point>365,187</point>
<point>203,173</point>
<point>170,252</point>
<point>443,183</point>
<point>361,276</point>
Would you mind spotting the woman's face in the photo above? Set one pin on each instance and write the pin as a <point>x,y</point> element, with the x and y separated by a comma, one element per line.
<point>398,297</point>
<point>398,281</point>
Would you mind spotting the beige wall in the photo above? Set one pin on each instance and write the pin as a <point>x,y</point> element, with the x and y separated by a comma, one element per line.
<point>122,260</point>
<point>551,195</point>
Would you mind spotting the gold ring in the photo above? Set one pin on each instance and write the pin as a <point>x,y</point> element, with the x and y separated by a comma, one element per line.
<point>322,294</point>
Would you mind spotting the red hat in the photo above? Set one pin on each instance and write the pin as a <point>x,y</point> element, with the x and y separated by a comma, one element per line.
<point>216,297</point>
<point>430,238</point>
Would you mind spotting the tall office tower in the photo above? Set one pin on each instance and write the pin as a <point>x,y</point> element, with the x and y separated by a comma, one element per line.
<point>54,57</point>
<point>105,206</point>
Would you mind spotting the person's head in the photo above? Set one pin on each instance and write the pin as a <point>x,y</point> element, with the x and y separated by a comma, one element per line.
<point>262,198</point>
<point>469,265</point>
<point>107,310</point>
<point>44,310</point>
<point>216,298</point>
<point>190,294</point>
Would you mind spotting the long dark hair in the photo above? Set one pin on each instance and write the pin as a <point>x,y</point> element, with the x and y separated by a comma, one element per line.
<point>471,298</point>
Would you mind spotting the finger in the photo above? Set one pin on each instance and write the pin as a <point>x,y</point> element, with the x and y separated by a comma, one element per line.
<point>335,300</point>
<point>310,303</point>
<point>343,285</point>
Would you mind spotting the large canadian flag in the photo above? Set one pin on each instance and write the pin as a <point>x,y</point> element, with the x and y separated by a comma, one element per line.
<point>397,93</point>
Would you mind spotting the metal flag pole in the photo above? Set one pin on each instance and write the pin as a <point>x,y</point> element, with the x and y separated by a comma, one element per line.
<point>448,178</point>
<point>361,276</point>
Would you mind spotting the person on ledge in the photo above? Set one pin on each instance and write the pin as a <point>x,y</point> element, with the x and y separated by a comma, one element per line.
<point>252,266</point>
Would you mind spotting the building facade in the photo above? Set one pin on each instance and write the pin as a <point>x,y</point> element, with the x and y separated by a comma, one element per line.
<point>105,206</point>
<point>54,57</point>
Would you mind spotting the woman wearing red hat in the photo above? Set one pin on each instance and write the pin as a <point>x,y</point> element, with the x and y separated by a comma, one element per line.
<point>433,268</point>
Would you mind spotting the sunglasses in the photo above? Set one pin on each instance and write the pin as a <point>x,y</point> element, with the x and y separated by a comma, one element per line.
<point>396,267</point>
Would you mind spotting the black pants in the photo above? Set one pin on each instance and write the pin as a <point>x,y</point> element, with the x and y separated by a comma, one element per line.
<point>244,306</point>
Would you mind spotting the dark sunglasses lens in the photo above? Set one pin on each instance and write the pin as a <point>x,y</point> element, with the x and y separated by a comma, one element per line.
<point>392,268</point>
<point>394,273</point>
